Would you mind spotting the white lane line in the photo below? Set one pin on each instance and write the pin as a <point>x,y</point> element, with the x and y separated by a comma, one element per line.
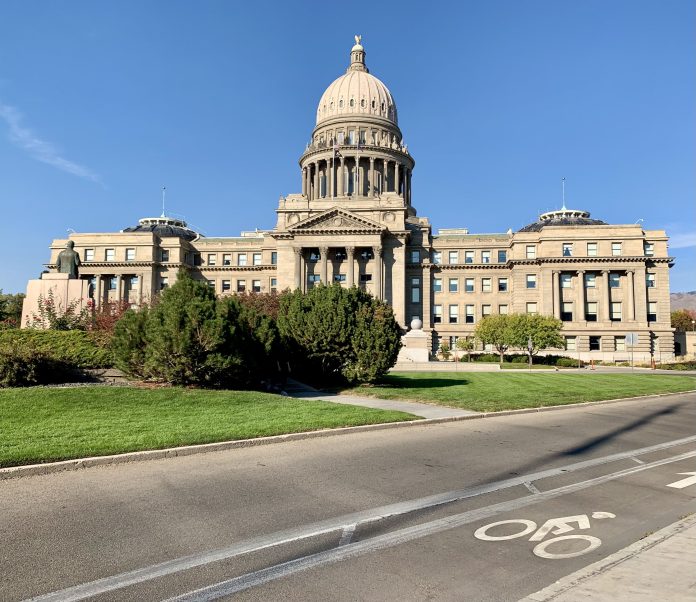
<point>114,582</point>
<point>532,488</point>
<point>347,535</point>
<point>638,460</point>
<point>395,538</point>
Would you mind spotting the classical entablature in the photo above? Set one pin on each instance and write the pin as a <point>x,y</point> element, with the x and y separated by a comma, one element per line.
<point>334,221</point>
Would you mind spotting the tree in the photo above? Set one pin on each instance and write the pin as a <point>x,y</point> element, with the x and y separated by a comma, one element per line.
<point>682,319</point>
<point>534,332</point>
<point>467,344</point>
<point>445,351</point>
<point>496,330</point>
<point>11,309</point>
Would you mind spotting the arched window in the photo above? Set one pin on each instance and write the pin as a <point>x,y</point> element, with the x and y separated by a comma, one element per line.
<point>352,102</point>
<point>382,107</point>
<point>373,103</point>
<point>362,103</point>
<point>331,105</point>
<point>340,104</point>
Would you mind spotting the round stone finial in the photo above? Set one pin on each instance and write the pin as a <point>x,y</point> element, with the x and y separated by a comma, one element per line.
<point>416,324</point>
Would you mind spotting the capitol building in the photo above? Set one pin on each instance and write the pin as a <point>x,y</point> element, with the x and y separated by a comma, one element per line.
<point>354,222</point>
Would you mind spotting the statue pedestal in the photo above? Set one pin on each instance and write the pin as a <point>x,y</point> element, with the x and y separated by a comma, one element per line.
<point>65,290</point>
<point>415,347</point>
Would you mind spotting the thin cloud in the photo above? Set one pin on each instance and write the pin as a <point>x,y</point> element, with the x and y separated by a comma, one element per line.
<point>39,149</point>
<point>682,241</point>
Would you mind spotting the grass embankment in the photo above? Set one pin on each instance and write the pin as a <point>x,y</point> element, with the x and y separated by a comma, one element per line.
<point>41,425</point>
<point>496,391</point>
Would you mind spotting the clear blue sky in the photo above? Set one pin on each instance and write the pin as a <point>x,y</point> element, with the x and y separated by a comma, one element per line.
<point>103,103</point>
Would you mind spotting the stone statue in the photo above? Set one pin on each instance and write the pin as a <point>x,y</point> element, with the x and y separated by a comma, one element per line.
<point>68,260</point>
<point>357,39</point>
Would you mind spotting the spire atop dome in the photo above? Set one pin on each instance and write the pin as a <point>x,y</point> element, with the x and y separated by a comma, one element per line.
<point>357,56</point>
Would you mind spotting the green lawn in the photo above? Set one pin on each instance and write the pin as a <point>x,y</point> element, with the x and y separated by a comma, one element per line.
<point>495,391</point>
<point>45,424</point>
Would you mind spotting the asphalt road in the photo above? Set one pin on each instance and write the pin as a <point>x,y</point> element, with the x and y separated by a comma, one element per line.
<point>399,514</point>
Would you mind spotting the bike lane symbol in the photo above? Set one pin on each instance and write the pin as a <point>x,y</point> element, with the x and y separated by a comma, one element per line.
<point>555,526</point>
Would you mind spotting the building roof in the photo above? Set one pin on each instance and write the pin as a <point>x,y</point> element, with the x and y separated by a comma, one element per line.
<point>562,217</point>
<point>164,226</point>
<point>357,92</point>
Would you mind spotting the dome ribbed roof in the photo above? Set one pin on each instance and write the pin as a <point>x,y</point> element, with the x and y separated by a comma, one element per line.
<point>164,226</point>
<point>562,217</point>
<point>357,93</point>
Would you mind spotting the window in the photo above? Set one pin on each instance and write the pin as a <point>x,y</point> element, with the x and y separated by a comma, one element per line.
<point>453,342</point>
<point>567,249</point>
<point>595,343</point>
<point>469,314</point>
<point>256,259</point>
<point>364,255</point>
<point>531,280</point>
<point>113,283</point>
<point>415,256</point>
<point>616,248</point>
<point>256,286</point>
<point>469,285</point>
<point>652,311</point>
<point>566,312</point>
<point>592,249</point>
<point>614,280</point>
<point>133,282</point>
<point>109,254</point>
<point>365,277</point>
<point>339,277</point>
<point>211,284</point>
<point>241,259</point>
<point>615,311</point>
<point>485,256</point>
<point>485,310</point>
<point>502,309</point>
<point>650,280</point>
<point>619,343</point>
<point>486,285</point>
<point>648,249</point>
<point>454,285</point>
<point>502,284</point>
<point>531,252</point>
<point>226,286</point>
<point>241,286</point>
<point>437,257</point>
<point>590,280</point>
<point>212,258</point>
<point>437,285</point>
<point>591,311</point>
<point>437,314</point>
<point>415,290</point>
<point>571,344</point>
<point>531,307</point>
<point>226,259</point>
<point>164,254</point>
<point>566,280</point>
<point>351,133</point>
<point>468,257</point>
<point>274,285</point>
<point>196,259</point>
<point>454,257</point>
<point>164,282</point>
<point>89,254</point>
<point>502,256</point>
<point>313,280</point>
<point>274,257</point>
<point>453,314</point>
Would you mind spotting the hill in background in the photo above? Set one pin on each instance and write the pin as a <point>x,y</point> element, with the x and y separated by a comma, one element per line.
<point>683,300</point>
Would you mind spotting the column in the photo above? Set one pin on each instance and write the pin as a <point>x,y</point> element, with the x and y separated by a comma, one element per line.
<point>606,304</point>
<point>372,176</point>
<point>350,277</point>
<point>324,251</point>
<point>298,267</point>
<point>409,186</point>
<point>385,178</point>
<point>330,169</point>
<point>141,286</point>
<point>556,291</point>
<point>341,184</point>
<point>99,291</point>
<point>396,183</point>
<point>119,286</point>
<point>641,294</point>
<point>377,252</point>
<point>357,180</point>
<point>631,295</point>
<point>580,309</point>
<point>316,180</point>
<point>304,181</point>
<point>426,297</point>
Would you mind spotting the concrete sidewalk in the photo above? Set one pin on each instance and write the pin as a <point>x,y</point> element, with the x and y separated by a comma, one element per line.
<point>661,566</point>
<point>424,410</point>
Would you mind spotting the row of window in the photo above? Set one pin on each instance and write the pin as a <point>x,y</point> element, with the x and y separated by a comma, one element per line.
<point>532,307</point>
<point>241,285</point>
<point>242,259</point>
<point>568,248</point>
<point>469,256</point>
<point>618,343</point>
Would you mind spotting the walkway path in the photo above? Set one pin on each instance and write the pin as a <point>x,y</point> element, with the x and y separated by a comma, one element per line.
<point>424,410</point>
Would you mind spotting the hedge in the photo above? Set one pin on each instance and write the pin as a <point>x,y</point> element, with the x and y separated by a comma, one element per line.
<point>74,348</point>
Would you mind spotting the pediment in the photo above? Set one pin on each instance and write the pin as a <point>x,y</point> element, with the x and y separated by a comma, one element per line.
<point>336,220</point>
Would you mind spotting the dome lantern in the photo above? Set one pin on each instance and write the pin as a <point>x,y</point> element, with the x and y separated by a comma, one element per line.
<point>357,57</point>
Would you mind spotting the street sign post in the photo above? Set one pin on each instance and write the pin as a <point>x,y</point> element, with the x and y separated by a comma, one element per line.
<point>631,341</point>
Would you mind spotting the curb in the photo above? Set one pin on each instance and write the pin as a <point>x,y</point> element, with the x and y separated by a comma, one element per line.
<point>13,472</point>
<point>567,583</point>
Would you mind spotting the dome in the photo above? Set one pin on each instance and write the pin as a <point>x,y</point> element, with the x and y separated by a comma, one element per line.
<point>563,217</point>
<point>164,226</point>
<point>357,92</point>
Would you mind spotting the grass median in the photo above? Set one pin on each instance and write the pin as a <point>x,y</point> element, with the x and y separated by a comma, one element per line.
<point>47,424</point>
<point>497,391</point>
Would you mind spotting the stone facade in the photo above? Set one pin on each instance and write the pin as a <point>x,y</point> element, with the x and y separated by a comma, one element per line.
<point>354,223</point>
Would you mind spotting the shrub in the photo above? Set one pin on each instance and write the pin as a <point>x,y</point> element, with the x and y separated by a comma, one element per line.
<point>128,342</point>
<point>485,357</point>
<point>23,366</point>
<point>74,348</point>
<point>569,362</point>
<point>689,365</point>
